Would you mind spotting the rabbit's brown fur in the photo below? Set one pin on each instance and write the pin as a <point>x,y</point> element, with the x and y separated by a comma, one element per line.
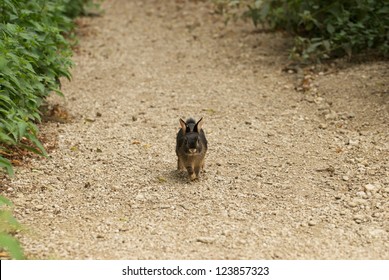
<point>191,147</point>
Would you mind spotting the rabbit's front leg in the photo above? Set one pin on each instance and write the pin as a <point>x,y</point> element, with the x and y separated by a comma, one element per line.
<point>192,175</point>
<point>197,170</point>
<point>180,165</point>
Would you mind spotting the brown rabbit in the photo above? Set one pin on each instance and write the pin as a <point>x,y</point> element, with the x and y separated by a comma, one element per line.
<point>191,146</point>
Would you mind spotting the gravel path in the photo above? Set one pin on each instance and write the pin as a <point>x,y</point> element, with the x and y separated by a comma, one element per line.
<point>290,174</point>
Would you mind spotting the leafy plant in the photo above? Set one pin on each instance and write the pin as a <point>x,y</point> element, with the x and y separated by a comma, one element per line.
<point>8,226</point>
<point>34,54</point>
<point>323,28</point>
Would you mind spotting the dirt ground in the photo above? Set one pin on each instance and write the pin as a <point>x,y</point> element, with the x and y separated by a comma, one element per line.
<point>297,166</point>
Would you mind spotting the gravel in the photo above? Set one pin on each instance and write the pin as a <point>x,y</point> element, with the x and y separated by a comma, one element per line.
<point>289,174</point>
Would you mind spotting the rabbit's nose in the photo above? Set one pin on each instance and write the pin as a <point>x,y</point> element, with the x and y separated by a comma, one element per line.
<point>192,151</point>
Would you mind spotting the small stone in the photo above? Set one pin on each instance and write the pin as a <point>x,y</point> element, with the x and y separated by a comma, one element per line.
<point>352,204</point>
<point>140,196</point>
<point>338,196</point>
<point>323,126</point>
<point>358,218</point>
<point>39,207</point>
<point>310,99</point>
<point>361,194</point>
<point>331,116</point>
<point>376,215</point>
<point>312,223</point>
<point>359,201</point>
<point>370,188</point>
<point>353,142</point>
<point>98,114</point>
<point>205,240</point>
<point>219,178</point>
<point>345,178</point>
<point>10,189</point>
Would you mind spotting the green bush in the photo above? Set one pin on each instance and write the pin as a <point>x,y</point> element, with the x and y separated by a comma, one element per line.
<point>34,54</point>
<point>323,28</point>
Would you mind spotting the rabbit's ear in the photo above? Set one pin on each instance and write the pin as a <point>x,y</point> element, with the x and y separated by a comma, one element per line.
<point>198,125</point>
<point>183,126</point>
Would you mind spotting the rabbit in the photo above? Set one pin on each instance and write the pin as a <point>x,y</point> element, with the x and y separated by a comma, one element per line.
<point>191,147</point>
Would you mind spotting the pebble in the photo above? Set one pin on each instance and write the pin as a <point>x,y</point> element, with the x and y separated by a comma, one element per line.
<point>338,196</point>
<point>356,201</point>
<point>376,215</point>
<point>312,223</point>
<point>205,240</point>
<point>323,126</point>
<point>140,196</point>
<point>39,207</point>
<point>361,194</point>
<point>219,178</point>
<point>358,218</point>
<point>345,178</point>
<point>370,188</point>
<point>352,204</point>
<point>353,142</point>
<point>331,116</point>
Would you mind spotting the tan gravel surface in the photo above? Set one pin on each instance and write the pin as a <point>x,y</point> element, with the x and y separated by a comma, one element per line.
<point>290,174</point>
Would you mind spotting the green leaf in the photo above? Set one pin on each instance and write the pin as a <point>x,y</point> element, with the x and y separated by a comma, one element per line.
<point>5,201</point>
<point>330,28</point>
<point>37,143</point>
<point>6,164</point>
<point>3,64</point>
<point>11,245</point>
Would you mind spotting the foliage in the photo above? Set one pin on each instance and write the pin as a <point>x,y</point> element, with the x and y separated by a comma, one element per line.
<point>33,56</point>
<point>323,28</point>
<point>9,226</point>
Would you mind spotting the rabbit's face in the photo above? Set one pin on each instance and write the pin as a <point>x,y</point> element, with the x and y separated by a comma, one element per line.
<point>192,144</point>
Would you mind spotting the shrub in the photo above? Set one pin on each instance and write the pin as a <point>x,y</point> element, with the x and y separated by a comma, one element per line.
<point>33,56</point>
<point>324,28</point>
